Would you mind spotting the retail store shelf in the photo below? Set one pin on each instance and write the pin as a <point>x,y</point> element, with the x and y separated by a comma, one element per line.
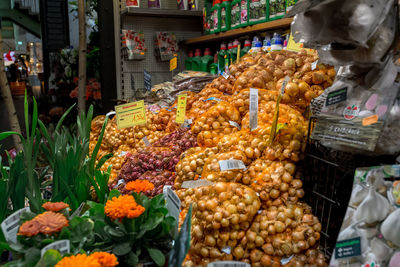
<point>163,13</point>
<point>281,23</point>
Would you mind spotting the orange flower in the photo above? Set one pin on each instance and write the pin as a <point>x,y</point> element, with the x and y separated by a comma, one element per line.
<point>105,259</point>
<point>81,260</point>
<point>51,222</point>
<point>123,206</point>
<point>139,186</point>
<point>55,206</point>
<point>29,228</point>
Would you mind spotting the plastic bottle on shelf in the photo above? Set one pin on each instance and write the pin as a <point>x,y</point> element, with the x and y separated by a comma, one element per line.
<point>206,60</point>
<point>276,42</point>
<point>225,15</point>
<point>256,46</point>
<point>235,14</point>
<point>189,61</point>
<point>244,13</point>
<point>246,48</point>
<point>216,16</point>
<point>266,44</point>
<point>221,58</point>
<point>214,66</point>
<point>196,62</point>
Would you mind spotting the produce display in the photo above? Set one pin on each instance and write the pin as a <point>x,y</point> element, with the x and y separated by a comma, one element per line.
<point>251,209</point>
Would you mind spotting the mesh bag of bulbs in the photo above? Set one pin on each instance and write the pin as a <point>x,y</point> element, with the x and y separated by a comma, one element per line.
<point>246,151</point>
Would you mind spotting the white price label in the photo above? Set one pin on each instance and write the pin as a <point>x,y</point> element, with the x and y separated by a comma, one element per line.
<point>226,250</point>
<point>285,81</point>
<point>120,181</point>
<point>234,124</point>
<point>112,112</point>
<point>63,246</point>
<point>196,183</point>
<point>314,65</point>
<point>226,75</point>
<point>231,164</point>
<point>146,141</point>
<point>173,201</point>
<point>285,261</point>
<point>187,123</point>
<point>253,108</point>
<point>228,264</point>
<point>10,225</point>
<point>122,154</point>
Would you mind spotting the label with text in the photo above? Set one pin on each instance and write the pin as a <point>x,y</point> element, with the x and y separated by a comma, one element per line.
<point>10,225</point>
<point>253,109</point>
<point>231,164</point>
<point>181,109</point>
<point>131,114</point>
<point>336,97</point>
<point>63,246</point>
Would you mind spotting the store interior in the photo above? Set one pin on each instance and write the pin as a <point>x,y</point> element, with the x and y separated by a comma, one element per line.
<point>200,133</point>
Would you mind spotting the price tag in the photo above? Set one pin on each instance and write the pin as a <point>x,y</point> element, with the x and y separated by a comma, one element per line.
<point>253,108</point>
<point>120,181</point>
<point>147,80</point>
<point>110,113</point>
<point>196,183</point>
<point>228,264</point>
<point>370,120</point>
<point>213,98</point>
<point>10,225</point>
<point>231,164</point>
<point>226,250</point>
<point>238,54</point>
<point>292,45</point>
<point>187,123</point>
<point>173,63</point>
<point>122,154</point>
<point>63,246</point>
<point>348,248</point>
<point>285,81</point>
<point>314,65</point>
<point>181,109</point>
<point>131,114</point>
<point>146,141</point>
<point>234,124</point>
<point>173,201</point>
<point>226,75</point>
<point>285,261</point>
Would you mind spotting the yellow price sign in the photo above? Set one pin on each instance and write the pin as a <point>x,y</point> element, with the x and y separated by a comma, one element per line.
<point>173,63</point>
<point>181,109</point>
<point>296,47</point>
<point>131,114</point>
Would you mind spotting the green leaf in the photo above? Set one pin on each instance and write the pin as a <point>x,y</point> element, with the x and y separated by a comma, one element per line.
<point>157,256</point>
<point>133,259</point>
<point>49,259</point>
<point>4,135</point>
<point>152,222</point>
<point>34,116</point>
<point>63,118</point>
<point>32,256</point>
<point>122,249</point>
<point>103,160</point>
<point>26,111</point>
<point>113,193</point>
<point>114,232</point>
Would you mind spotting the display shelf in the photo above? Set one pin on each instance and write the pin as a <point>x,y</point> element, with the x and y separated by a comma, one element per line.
<point>163,13</point>
<point>281,23</point>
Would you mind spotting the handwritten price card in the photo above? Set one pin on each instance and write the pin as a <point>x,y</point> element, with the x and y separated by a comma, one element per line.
<point>131,114</point>
<point>181,109</point>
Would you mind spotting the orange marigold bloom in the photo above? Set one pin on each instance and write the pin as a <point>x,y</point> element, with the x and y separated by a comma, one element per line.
<point>139,186</point>
<point>55,206</point>
<point>29,228</point>
<point>105,259</point>
<point>81,260</point>
<point>51,222</point>
<point>123,206</point>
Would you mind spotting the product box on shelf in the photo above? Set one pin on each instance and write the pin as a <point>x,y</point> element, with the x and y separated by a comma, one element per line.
<point>276,9</point>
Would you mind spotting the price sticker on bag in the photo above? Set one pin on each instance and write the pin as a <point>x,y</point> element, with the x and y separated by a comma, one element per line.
<point>173,63</point>
<point>253,109</point>
<point>226,75</point>
<point>63,246</point>
<point>228,264</point>
<point>181,109</point>
<point>10,225</point>
<point>314,65</point>
<point>285,81</point>
<point>196,183</point>
<point>234,124</point>
<point>173,202</point>
<point>131,114</point>
<point>231,164</point>
<point>146,141</point>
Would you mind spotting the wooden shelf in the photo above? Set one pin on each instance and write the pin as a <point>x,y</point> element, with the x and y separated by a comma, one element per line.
<point>275,24</point>
<point>162,13</point>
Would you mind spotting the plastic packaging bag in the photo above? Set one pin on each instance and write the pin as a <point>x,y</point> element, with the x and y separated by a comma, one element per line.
<point>166,45</point>
<point>133,46</point>
<point>359,20</point>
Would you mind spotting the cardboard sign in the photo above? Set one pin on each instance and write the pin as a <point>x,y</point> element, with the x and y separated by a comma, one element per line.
<point>173,202</point>
<point>173,63</point>
<point>292,45</point>
<point>181,109</point>
<point>10,225</point>
<point>131,114</point>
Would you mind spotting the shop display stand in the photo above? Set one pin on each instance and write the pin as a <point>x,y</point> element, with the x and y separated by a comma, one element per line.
<point>328,182</point>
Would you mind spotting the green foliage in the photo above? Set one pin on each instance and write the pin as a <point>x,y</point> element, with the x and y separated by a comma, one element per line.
<point>147,238</point>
